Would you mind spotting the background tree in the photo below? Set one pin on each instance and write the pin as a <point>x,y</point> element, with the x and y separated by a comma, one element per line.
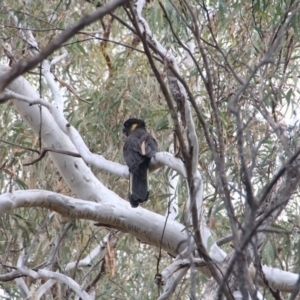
<point>217,83</point>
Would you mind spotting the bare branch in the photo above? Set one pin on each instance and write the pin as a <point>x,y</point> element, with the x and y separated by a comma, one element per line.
<point>21,67</point>
<point>57,276</point>
<point>45,150</point>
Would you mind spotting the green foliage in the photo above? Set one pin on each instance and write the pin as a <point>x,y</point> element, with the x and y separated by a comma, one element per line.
<point>110,82</point>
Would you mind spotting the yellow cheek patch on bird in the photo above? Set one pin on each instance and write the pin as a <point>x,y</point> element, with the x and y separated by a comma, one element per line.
<point>133,126</point>
<point>143,148</point>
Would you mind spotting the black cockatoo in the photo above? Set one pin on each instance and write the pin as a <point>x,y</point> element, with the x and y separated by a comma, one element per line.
<point>138,150</point>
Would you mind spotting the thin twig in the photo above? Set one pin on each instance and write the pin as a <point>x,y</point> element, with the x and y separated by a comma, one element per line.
<point>41,153</point>
<point>23,66</point>
<point>19,146</point>
<point>275,294</point>
<point>45,150</point>
<point>122,288</point>
<point>158,277</point>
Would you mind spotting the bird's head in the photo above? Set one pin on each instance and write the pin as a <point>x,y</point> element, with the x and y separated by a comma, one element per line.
<point>132,124</point>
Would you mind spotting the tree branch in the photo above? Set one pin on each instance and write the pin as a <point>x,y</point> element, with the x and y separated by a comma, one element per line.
<point>145,225</point>
<point>21,67</point>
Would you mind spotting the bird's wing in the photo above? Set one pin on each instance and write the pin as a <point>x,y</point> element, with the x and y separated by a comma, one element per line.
<point>131,153</point>
<point>138,149</point>
<point>147,145</point>
<point>151,146</point>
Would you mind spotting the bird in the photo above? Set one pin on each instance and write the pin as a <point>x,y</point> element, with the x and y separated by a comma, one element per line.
<point>139,148</point>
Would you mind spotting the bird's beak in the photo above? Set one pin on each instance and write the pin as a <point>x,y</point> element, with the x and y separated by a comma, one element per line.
<point>124,130</point>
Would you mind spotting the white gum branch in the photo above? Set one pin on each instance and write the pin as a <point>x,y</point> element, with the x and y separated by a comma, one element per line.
<point>44,274</point>
<point>145,225</point>
<point>20,281</point>
<point>98,252</point>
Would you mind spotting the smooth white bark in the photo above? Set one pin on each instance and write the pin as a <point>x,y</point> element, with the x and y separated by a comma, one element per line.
<point>145,225</point>
<point>277,279</point>
<point>172,209</point>
<point>44,274</point>
<point>78,175</point>
<point>23,288</point>
<point>75,172</point>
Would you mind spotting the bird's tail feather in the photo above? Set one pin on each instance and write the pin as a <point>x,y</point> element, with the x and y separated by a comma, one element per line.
<point>139,186</point>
